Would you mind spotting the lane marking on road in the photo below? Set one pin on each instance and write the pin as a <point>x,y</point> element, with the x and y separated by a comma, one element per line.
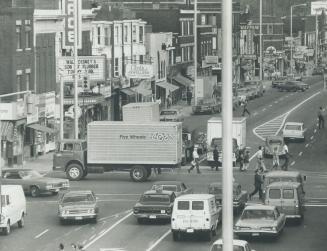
<point>300,153</point>
<point>78,228</point>
<point>275,102</point>
<point>264,109</point>
<point>119,194</point>
<point>158,241</point>
<point>315,205</point>
<point>270,105</point>
<point>311,137</point>
<point>107,231</point>
<point>292,164</point>
<point>306,145</point>
<point>92,237</point>
<point>40,234</point>
<point>112,249</point>
<point>115,215</point>
<point>315,130</point>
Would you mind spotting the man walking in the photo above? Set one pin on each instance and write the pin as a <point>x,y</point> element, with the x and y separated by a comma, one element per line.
<point>321,119</point>
<point>257,185</point>
<point>245,109</point>
<point>287,157</point>
<point>260,161</point>
<point>195,162</point>
<point>246,159</point>
<point>216,158</point>
<point>275,159</point>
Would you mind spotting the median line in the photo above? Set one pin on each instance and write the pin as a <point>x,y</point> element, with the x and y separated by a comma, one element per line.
<point>158,241</point>
<point>40,234</point>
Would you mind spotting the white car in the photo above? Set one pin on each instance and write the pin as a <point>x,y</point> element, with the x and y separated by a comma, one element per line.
<point>238,245</point>
<point>294,131</point>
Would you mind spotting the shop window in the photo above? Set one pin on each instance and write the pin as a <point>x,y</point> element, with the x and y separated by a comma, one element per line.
<point>28,35</point>
<point>18,37</point>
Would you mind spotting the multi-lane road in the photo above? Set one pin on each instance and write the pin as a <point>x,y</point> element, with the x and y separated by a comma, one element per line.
<point>117,229</point>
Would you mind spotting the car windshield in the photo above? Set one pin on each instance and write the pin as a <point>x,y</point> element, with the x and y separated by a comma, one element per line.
<point>215,190</point>
<point>76,197</point>
<point>219,247</point>
<point>172,188</point>
<point>293,127</point>
<point>258,215</point>
<point>31,174</point>
<point>156,198</point>
<point>168,113</point>
<point>275,142</point>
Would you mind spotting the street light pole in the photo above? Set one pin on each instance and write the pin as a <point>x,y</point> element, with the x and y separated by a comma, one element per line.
<point>260,37</point>
<point>317,33</point>
<point>76,67</point>
<point>195,50</point>
<point>61,103</point>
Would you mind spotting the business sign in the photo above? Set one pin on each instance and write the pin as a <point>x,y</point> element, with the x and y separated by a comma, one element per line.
<point>71,7</point>
<point>47,104</point>
<point>139,71</point>
<point>91,66</point>
<point>33,117</point>
<point>211,59</point>
<point>13,111</point>
<point>317,7</point>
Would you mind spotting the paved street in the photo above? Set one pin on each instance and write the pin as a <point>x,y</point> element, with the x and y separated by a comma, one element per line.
<point>117,229</point>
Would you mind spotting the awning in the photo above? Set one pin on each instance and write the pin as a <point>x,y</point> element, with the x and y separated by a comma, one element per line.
<point>167,86</point>
<point>128,92</point>
<point>144,92</point>
<point>42,128</point>
<point>183,80</point>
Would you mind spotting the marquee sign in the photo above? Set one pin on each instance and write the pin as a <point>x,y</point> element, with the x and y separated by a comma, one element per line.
<point>69,8</point>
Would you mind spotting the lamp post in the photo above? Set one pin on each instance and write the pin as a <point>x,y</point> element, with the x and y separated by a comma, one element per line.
<point>260,42</point>
<point>291,31</point>
<point>195,50</point>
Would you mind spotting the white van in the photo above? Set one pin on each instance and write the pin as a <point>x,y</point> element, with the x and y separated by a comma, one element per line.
<point>13,204</point>
<point>195,213</point>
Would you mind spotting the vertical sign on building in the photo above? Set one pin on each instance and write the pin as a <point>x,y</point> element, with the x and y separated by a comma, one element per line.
<point>69,32</point>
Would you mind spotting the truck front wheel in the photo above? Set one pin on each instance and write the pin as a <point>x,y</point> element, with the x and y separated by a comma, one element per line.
<point>74,172</point>
<point>138,173</point>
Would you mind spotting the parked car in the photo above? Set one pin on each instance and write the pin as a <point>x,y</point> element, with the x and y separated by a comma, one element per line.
<point>171,115</point>
<point>207,106</point>
<point>294,86</point>
<point>238,245</point>
<point>33,182</point>
<point>271,143</point>
<point>278,82</point>
<point>178,187</point>
<point>293,131</point>
<point>240,197</point>
<point>260,220</point>
<point>318,71</point>
<point>78,205</point>
<point>154,205</point>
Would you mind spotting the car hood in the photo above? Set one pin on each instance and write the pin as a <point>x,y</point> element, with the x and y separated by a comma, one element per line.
<point>256,223</point>
<point>50,180</point>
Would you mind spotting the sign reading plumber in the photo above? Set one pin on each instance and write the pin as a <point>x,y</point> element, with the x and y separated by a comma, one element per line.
<point>73,17</point>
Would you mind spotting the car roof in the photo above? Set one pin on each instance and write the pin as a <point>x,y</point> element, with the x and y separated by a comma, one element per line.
<point>79,192</point>
<point>169,182</point>
<point>165,192</point>
<point>259,207</point>
<point>284,184</point>
<point>195,196</point>
<point>235,242</point>
<point>293,123</point>
<point>283,174</point>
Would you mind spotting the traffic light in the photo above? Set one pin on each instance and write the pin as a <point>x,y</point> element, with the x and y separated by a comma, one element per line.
<point>86,83</point>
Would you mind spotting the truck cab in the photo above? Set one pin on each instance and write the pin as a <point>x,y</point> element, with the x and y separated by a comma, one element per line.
<point>70,157</point>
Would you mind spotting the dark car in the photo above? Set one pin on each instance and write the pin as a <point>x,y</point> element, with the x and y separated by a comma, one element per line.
<point>154,205</point>
<point>178,187</point>
<point>318,71</point>
<point>240,197</point>
<point>294,86</point>
<point>78,205</point>
<point>207,106</point>
<point>278,82</point>
<point>33,182</point>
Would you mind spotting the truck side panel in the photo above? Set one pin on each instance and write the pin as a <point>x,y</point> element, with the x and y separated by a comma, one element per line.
<point>115,142</point>
<point>141,112</point>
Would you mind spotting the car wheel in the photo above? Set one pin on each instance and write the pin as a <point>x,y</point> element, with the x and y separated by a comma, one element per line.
<point>21,222</point>
<point>138,173</point>
<point>7,229</point>
<point>74,172</point>
<point>35,191</point>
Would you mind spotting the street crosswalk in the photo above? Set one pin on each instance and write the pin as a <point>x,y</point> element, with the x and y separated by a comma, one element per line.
<point>270,128</point>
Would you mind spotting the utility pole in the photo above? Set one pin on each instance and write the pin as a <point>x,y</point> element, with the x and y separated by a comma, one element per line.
<point>77,2</point>
<point>61,103</point>
<point>227,116</point>
<point>260,46</point>
<point>317,35</point>
<point>195,50</point>
<point>291,40</point>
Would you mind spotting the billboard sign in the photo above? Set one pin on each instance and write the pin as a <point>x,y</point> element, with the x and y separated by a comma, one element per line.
<point>91,66</point>
<point>71,7</point>
<point>317,7</point>
<point>139,71</point>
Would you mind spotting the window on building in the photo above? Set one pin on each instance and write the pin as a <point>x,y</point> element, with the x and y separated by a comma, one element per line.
<point>28,80</point>
<point>214,43</point>
<point>99,35</point>
<point>135,59</point>
<point>125,33</point>
<point>185,28</point>
<point>116,69</point>
<point>183,52</point>
<point>106,36</point>
<point>182,27</point>
<point>18,37</point>
<point>141,59</point>
<point>116,34</point>
<point>191,28</point>
<point>19,82</point>
<point>203,19</point>
<point>270,29</point>
<point>28,36</point>
<point>141,34</point>
<point>134,33</point>
<point>191,52</point>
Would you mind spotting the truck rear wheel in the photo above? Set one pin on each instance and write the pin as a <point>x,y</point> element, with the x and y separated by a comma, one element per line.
<point>138,173</point>
<point>74,172</point>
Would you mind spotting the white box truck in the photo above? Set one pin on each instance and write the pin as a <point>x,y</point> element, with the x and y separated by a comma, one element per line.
<point>141,112</point>
<point>124,146</point>
<point>214,137</point>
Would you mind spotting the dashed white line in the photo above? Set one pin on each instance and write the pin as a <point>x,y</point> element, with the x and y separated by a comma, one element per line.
<point>276,102</point>
<point>300,153</point>
<point>306,145</point>
<point>292,164</point>
<point>40,234</point>
<point>264,109</point>
<point>270,105</point>
<point>315,130</point>
<point>158,241</point>
<point>311,137</point>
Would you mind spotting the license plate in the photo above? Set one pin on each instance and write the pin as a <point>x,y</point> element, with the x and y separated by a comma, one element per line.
<point>152,217</point>
<point>78,218</point>
<point>255,234</point>
<point>190,230</point>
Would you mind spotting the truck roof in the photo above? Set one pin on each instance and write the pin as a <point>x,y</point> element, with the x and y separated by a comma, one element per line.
<point>195,197</point>
<point>219,119</point>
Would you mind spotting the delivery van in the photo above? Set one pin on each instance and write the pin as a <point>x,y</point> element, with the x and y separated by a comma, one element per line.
<point>195,214</point>
<point>13,205</point>
<point>288,197</point>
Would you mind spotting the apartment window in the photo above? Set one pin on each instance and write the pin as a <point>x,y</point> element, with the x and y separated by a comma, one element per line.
<point>185,28</point>
<point>18,37</point>
<point>191,52</point>
<point>99,35</point>
<point>125,33</point>
<point>183,52</point>
<point>19,82</point>
<point>203,19</point>
<point>191,27</point>
<point>134,33</point>
<point>141,59</point>
<point>28,36</point>
<point>270,29</point>
<point>116,34</point>
<point>116,69</point>
<point>106,36</point>
<point>28,80</point>
<point>182,27</point>
<point>141,34</point>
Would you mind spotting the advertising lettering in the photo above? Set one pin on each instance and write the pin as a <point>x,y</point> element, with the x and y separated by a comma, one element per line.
<point>139,71</point>
<point>162,137</point>
<point>69,34</point>
<point>132,136</point>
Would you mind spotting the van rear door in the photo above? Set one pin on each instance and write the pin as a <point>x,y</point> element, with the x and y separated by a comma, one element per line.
<point>198,214</point>
<point>183,214</point>
<point>290,205</point>
<point>274,198</point>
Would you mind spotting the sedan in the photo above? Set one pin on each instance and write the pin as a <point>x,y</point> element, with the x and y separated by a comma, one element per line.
<point>33,182</point>
<point>260,220</point>
<point>293,131</point>
<point>238,245</point>
<point>207,106</point>
<point>294,86</point>
<point>78,205</point>
<point>178,187</point>
<point>171,115</point>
